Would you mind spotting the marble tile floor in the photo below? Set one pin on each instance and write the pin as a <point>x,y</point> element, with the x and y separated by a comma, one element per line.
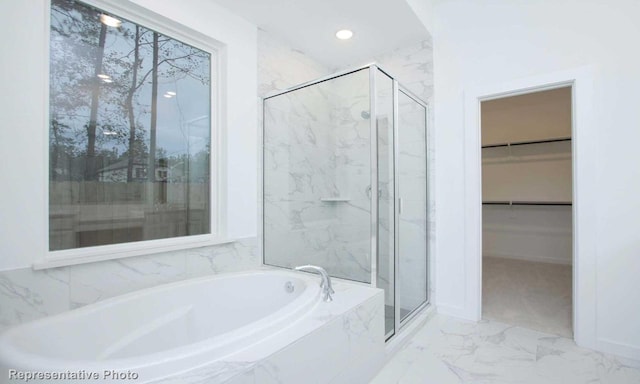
<point>447,350</point>
<point>528,294</point>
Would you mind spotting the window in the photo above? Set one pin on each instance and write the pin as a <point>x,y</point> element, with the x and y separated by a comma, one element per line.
<point>129,132</point>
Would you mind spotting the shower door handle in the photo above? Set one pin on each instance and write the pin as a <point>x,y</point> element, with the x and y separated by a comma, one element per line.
<point>400,207</point>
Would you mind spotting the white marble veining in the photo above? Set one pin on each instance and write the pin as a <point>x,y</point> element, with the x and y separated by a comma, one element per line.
<point>93,282</point>
<point>27,295</point>
<point>231,257</point>
<point>326,353</point>
<point>317,146</point>
<point>97,281</point>
<point>413,67</point>
<point>237,372</point>
<point>447,350</point>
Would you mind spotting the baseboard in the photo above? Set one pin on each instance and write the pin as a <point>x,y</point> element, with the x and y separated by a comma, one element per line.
<point>619,349</point>
<point>537,259</point>
<point>457,312</point>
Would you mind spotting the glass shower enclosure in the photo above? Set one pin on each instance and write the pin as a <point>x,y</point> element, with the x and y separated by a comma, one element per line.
<point>345,184</point>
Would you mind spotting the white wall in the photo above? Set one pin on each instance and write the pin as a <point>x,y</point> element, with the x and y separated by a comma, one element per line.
<point>532,233</point>
<point>493,42</point>
<point>24,147</point>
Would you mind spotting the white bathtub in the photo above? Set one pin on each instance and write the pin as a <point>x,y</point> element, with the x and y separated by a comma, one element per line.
<point>160,331</point>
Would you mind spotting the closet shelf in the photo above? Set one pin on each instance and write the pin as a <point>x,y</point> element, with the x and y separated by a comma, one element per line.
<point>516,143</point>
<point>553,203</point>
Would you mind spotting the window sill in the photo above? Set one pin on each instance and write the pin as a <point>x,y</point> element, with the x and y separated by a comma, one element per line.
<point>118,251</point>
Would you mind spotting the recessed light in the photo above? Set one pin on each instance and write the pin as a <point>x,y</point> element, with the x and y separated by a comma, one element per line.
<point>344,34</point>
<point>167,96</point>
<point>171,93</point>
<point>103,76</point>
<point>110,21</point>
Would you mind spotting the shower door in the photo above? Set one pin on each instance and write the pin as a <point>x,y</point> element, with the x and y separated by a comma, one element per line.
<point>411,215</point>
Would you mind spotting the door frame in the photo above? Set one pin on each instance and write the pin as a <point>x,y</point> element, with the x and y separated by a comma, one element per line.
<point>584,162</point>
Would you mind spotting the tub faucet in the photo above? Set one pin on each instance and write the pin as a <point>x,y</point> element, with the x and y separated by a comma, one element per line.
<point>325,283</point>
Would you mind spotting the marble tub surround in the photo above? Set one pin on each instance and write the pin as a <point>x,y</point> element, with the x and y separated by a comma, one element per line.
<point>447,350</point>
<point>326,346</point>
<point>529,294</point>
<point>27,294</point>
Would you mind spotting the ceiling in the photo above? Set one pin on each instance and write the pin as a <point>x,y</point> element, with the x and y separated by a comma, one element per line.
<point>379,26</point>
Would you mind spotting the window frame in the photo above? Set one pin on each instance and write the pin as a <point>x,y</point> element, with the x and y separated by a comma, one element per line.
<point>217,161</point>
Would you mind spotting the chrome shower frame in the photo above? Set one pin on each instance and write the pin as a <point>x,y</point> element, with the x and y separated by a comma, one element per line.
<point>397,88</point>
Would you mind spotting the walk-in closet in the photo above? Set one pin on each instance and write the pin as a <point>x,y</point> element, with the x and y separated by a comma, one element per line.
<point>527,210</point>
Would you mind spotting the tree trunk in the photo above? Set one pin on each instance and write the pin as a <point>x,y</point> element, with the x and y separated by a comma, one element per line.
<point>132,118</point>
<point>151,172</point>
<point>55,152</point>
<point>90,172</point>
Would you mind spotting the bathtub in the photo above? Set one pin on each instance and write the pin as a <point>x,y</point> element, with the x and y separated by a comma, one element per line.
<point>156,332</point>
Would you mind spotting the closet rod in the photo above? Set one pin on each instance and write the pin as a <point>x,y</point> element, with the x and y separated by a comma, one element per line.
<point>553,203</point>
<point>527,142</point>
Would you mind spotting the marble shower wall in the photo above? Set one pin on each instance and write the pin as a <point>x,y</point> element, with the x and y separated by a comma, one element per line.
<point>28,295</point>
<point>317,148</point>
<point>412,66</point>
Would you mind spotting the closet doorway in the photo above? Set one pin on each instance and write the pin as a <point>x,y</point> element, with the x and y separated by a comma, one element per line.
<point>527,215</point>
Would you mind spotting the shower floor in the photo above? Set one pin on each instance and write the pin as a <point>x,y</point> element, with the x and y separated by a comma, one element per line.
<point>388,317</point>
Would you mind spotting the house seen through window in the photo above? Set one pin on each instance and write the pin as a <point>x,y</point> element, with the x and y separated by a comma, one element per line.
<point>129,131</point>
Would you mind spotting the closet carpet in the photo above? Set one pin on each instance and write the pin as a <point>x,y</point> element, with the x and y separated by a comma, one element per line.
<point>528,294</point>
